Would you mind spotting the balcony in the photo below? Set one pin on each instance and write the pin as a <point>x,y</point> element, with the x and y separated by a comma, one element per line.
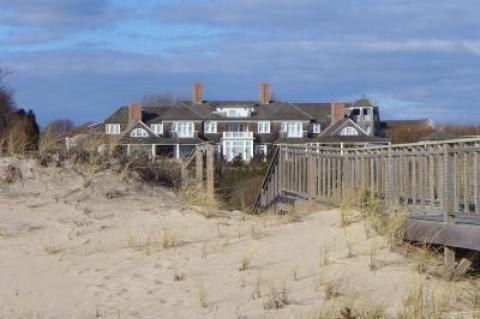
<point>237,134</point>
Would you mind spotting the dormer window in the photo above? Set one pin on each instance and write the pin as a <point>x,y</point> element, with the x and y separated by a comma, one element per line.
<point>316,128</point>
<point>112,129</point>
<point>234,111</point>
<point>348,131</point>
<point>139,132</point>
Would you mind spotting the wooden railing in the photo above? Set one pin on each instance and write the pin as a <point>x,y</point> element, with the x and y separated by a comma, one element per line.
<point>203,170</point>
<point>438,183</point>
<point>421,175</point>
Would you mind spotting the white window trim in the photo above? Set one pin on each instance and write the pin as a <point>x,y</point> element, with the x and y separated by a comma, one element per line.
<point>348,130</point>
<point>157,128</point>
<point>291,127</point>
<point>263,127</point>
<point>316,128</point>
<point>185,125</point>
<point>112,129</point>
<point>139,132</point>
<point>210,127</point>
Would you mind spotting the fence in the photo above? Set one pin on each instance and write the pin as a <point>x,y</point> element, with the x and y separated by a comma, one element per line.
<point>437,181</point>
<point>203,157</point>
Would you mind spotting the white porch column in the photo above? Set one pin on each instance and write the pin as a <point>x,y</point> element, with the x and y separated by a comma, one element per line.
<point>177,151</point>
<point>128,149</point>
<point>154,152</point>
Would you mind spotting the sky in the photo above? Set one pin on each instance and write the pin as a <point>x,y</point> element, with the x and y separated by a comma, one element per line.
<point>81,59</point>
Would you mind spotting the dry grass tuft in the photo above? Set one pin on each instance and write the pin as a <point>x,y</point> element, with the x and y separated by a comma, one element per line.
<point>202,296</point>
<point>324,254</point>
<point>276,298</point>
<point>50,247</point>
<point>245,262</point>
<point>145,241</point>
<point>196,196</point>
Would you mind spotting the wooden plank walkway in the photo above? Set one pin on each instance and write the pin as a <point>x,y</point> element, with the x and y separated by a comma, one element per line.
<point>438,182</point>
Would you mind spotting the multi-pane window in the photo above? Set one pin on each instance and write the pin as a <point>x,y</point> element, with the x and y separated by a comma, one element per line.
<point>183,128</point>
<point>157,129</point>
<point>210,127</point>
<point>139,132</point>
<point>348,131</point>
<point>261,150</point>
<point>293,129</point>
<point>112,129</point>
<point>263,127</point>
<point>315,128</point>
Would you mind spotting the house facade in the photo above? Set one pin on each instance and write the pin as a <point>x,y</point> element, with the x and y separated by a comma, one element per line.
<point>241,128</point>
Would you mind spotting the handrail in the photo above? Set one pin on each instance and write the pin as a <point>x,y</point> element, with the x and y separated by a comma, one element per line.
<point>273,163</point>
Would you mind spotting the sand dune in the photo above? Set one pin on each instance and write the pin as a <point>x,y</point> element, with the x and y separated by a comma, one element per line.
<point>81,245</point>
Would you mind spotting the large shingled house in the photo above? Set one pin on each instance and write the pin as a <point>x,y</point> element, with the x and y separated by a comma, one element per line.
<point>241,128</point>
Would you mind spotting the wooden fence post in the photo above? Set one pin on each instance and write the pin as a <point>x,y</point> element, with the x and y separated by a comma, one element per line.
<point>210,172</point>
<point>311,176</point>
<point>449,208</point>
<point>199,167</point>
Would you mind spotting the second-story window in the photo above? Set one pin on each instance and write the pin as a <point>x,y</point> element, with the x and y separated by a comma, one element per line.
<point>157,129</point>
<point>183,128</point>
<point>315,128</point>
<point>263,127</point>
<point>112,129</point>
<point>292,129</point>
<point>210,127</point>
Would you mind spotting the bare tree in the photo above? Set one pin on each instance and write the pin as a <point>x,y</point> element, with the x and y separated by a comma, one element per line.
<point>58,127</point>
<point>160,100</point>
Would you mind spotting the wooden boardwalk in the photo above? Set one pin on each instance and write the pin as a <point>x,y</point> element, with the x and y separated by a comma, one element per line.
<point>439,183</point>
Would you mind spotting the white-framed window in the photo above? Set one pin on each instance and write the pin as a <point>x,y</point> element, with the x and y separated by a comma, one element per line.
<point>292,129</point>
<point>112,129</point>
<point>263,127</point>
<point>349,131</point>
<point>210,127</point>
<point>261,150</point>
<point>183,128</point>
<point>316,128</point>
<point>157,128</point>
<point>139,132</point>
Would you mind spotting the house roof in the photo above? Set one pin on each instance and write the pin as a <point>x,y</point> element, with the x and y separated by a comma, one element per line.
<point>362,102</point>
<point>335,128</point>
<point>320,112</point>
<point>186,110</point>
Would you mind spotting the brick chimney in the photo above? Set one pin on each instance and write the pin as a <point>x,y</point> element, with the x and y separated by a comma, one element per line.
<point>134,113</point>
<point>337,112</point>
<point>197,93</point>
<point>264,93</point>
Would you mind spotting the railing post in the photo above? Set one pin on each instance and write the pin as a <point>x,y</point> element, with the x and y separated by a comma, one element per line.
<point>210,172</point>
<point>199,166</point>
<point>448,208</point>
<point>389,179</point>
<point>311,176</point>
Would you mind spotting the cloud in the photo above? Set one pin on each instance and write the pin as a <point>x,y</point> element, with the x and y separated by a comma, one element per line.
<point>37,21</point>
<point>416,57</point>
